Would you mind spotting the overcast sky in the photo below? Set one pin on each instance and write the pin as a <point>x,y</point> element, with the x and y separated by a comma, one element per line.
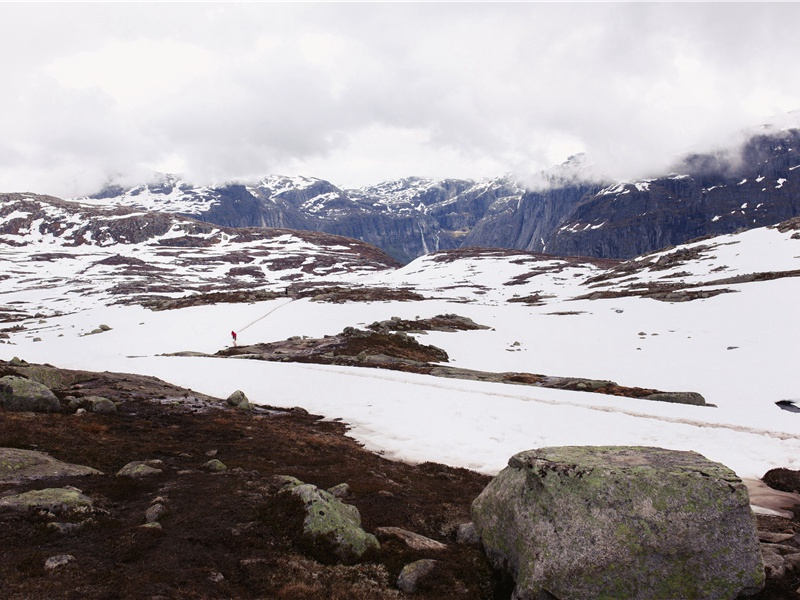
<point>359,93</point>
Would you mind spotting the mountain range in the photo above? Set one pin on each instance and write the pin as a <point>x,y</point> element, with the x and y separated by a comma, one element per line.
<point>566,213</point>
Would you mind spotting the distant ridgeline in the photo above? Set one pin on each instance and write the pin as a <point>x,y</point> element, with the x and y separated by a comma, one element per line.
<point>706,194</point>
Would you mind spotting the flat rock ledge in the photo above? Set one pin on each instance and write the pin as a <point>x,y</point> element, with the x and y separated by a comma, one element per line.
<point>620,522</point>
<point>18,465</point>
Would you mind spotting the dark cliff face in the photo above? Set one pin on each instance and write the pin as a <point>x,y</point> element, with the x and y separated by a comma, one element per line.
<point>527,223</point>
<point>716,194</point>
<point>236,206</point>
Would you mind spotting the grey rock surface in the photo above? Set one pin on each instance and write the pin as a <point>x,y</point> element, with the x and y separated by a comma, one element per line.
<point>413,540</point>
<point>328,518</point>
<point>55,500</point>
<point>239,400</point>
<point>413,573</point>
<point>620,522</point>
<point>18,465</point>
<point>20,394</point>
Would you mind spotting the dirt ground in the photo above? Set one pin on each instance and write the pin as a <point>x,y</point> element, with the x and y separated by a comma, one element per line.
<point>225,535</point>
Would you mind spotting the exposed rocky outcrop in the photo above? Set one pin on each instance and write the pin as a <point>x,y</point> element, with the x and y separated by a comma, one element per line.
<point>620,522</point>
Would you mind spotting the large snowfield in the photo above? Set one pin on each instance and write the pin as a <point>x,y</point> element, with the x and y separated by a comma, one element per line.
<point>739,350</point>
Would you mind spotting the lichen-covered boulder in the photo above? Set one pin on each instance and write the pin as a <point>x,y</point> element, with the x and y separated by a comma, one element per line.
<point>18,465</point>
<point>331,522</point>
<point>239,400</point>
<point>20,394</point>
<point>100,405</point>
<point>141,468</point>
<point>620,523</point>
<point>55,500</point>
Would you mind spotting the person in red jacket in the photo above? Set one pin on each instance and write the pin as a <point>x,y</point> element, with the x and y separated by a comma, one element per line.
<point>233,335</point>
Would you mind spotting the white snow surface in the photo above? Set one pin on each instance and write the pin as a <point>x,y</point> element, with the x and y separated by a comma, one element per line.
<point>737,349</point>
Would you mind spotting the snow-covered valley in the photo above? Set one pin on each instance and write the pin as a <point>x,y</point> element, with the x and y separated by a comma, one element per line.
<point>734,342</point>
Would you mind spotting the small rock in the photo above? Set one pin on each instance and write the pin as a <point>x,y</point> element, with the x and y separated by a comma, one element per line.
<point>340,491</point>
<point>59,560</point>
<point>138,469</point>
<point>155,512</point>
<point>63,528</point>
<point>104,327</point>
<point>216,577</point>
<point>155,525</point>
<point>468,535</point>
<point>101,405</point>
<point>413,573</point>
<point>792,561</point>
<point>774,538</point>
<point>774,564</point>
<point>17,362</point>
<point>239,400</point>
<point>212,453</point>
<point>413,540</point>
<point>215,465</point>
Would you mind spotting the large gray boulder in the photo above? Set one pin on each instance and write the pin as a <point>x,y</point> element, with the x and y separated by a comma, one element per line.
<point>20,394</point>
<point>18,465</point>
<point>620,522</point>
<point>54,500</point>
<point>331,522</point>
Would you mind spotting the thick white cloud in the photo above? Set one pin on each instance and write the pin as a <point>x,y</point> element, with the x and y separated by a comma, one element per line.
<point>357,93</point>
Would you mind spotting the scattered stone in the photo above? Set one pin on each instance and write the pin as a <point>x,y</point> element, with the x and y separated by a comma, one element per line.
<point>239,400</point>
<point>20,394</point>
<point>413,540</point>
<point>101,405</point>
<point>104,327</point>
<point>792,561</point>
<point>138,469</point>
<point>340,491</point>
<point>18,465</point>
<point>774,538</point>
<point>413,573</point>
<point>468,535</point>
<point>57,561</point>
<point>774,564</point>
<point>215,465</point>
<point>330,520</point>
<point>155,512</point>
<point>64,528</point>
<point>17,362</point>
<point>622,523</point>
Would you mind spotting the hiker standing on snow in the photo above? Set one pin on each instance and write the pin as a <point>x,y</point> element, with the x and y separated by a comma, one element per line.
<point>233,335</point>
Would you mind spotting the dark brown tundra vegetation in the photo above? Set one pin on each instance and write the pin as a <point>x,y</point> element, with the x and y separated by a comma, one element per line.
<point>199,498</point>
